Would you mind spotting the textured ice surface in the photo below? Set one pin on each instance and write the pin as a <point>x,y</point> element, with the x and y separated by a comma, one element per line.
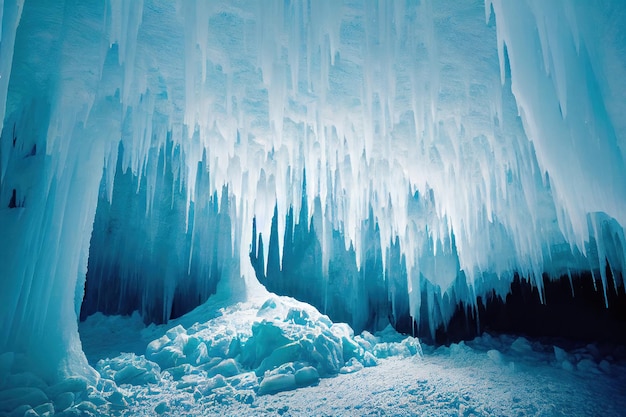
<point>484,138</point>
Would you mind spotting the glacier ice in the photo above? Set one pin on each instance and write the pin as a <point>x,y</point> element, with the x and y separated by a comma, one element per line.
<point>446,146</point>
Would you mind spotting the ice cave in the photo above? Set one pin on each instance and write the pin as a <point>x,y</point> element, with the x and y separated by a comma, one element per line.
<point>312,208</point>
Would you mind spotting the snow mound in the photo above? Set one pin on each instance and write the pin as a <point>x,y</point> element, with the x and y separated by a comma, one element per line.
<point>244,351</point>
<point>279,345</point>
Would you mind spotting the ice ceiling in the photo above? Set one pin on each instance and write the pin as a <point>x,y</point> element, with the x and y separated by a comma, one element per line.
<point>456,138</point>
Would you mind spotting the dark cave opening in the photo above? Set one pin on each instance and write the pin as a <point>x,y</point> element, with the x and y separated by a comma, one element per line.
<point>574,311</point>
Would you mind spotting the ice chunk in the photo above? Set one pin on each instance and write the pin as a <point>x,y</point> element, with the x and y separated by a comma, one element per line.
<point>495,356</point>
<point>218,381</point>
<point>353,365</point>
<point>175,332</point>
<point>129,368</point>
<point>521,345</point>
<point>283,354</point>
<point>116,399</point>
<point>244,381</point>
<point>167,357</point>
<point>587,365</point>
<point>369,360</point>
<point>560,354</point>
<point>226,368</point>
<point>307,375</point>
<point>275,383</point>
<point>179,371</point>
<point>200,355</point>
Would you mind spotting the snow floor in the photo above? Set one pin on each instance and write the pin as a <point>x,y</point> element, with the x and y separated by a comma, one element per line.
<point>439,385</point>
<point>489,376</point>
<point>276,356</point>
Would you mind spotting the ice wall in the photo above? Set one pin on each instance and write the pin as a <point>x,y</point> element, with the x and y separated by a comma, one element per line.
<point>476,139</point>
<point>48,191</point>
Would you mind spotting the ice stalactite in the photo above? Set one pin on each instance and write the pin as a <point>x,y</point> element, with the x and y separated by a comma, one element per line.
<point>170,264</point>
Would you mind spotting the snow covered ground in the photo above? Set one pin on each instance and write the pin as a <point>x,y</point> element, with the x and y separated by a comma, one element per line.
<point>489,376</point>
<point>465,383</point>
<point>276,356</point>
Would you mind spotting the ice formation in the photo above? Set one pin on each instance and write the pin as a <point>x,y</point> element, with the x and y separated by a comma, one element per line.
<point>445,145</point>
